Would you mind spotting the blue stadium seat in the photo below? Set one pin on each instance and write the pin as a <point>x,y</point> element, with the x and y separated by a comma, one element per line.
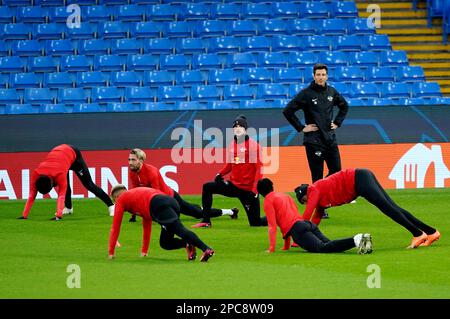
<point>159,78</point>
<point>161,12</point>
<point>172,94</point>
<point>255,104</point>
<point>342,88</point>
<point>27,48</point>
<point>94,47</point>
<point>273,59</point>
<point>4,48</point>
<point>256,44</point>
<point>113,29</point>
<point>286,43</point>
<point>223,77</point>
<point>356,102</point>
<point>189,77</point>
<point>142,62</point>
<point>85,31</point>
<point>302,59</point>
<point>439,100</point>
<point>296,88</point>
<point>50,31</point>
<point>333,58</point>
<point>108,63</point>
<point>435,9</point>
<point>272,27</point>
<point>179,29</point>
<point>38,96</point>
<point>92,2</point>
<point>237,92</point>
<point>211,28</point>
<point>57,80</point>
<point>363,58</point>
<point>194,11</point>
<point>365,90</point>
<point>349,74</point>
<point>34,14</point>
<point>412,101</point>
<point>395,90</point>
<point>9,96</point>
<point>58,14</point>
<point>301,27</point>
<point>358,26</point>
<point>7,15</point>
<point>257,10</point>
<point>72,96</point>
<point>205,61</point>
<point>313,10</point>
<point>40,64</point>
<point>288,75</point>
<point>122,107</point>
<point>59,47</point>
<point>91,79</point>
<point>96,13</point>
<point>332,27</point>
<point>380,74</point>
<point>257,75</point>
<point>205,93</point>
<point>20,109</point>
<point>246,28</point>
<point>393,58</point>
<point>348,43</point>
<point>127,46</point>
<point>284,10</point>
<point>139,94</point>
<point>16,31</point>
<point>156,106</point>
<point>225,11</point>
<point>174,62</point>
<point>410,74</point>
<point>381,102</point>
<point>147,29</point>
<point>24,80</point>
<point>224,45</point>
<point>426,89</point>
<point>11,64</point>
<point>88,108</point>
<point>125,78</point>
<point>272,91</point>
<point>159,46</point>
<point>191,105</point>
<point>242,60</point>
<point>190,46</point>
<point>53,108</point>
<point>377,42</point>
<point>316,43</point>
<point>106,94</point>
<point>344,9</point>
<point>222,105</point>
<point>130,13</point>
<point>75,63</point>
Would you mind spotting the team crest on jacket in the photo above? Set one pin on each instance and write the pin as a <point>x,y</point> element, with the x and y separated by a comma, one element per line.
<point>330,98</point>
<point>314,101</point>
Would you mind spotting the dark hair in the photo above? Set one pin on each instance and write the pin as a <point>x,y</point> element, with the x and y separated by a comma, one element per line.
<point>264,187</point>
<point>319,66</point>
<point>301,191</point>
<point>44,184</point>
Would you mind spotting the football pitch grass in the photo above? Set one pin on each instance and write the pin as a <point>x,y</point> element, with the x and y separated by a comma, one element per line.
<point>35,254</point>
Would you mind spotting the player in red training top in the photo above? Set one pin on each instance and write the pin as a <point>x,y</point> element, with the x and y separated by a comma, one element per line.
<point>345,186</point>
<point>281,211</point>
<point>54,172</point>
<point>245,168</point>
<point>152,204</point>
<point>145,175</point>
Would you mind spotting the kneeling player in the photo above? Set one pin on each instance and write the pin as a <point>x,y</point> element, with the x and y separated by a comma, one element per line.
<point>152,204</point>
<point>281,211</point>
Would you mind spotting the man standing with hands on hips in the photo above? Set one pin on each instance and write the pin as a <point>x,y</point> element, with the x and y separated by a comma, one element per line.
<point>317,102</point>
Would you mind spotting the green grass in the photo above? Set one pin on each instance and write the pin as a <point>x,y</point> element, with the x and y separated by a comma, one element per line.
<point>35,253</point>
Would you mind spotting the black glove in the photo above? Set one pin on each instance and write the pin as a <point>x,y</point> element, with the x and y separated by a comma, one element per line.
<point>218,178</point>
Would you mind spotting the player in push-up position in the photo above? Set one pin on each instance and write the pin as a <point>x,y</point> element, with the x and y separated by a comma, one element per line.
<point>343,187</point>
<point>53,172</point>
<point>152,204</point>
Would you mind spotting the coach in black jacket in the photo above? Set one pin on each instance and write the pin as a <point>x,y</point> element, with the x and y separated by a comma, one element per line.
<point>317,102</point>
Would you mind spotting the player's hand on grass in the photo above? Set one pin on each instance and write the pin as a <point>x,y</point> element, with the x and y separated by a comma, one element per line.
<point>111,256</point>
<point>310,128</point>
<point>118,244</point>
<point>269,251</point>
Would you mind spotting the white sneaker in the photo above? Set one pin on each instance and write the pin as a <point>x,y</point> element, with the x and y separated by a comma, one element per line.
<point>67,211</point>
<point>365,245</point>
<point>353,201</point>
<point>111,210</point>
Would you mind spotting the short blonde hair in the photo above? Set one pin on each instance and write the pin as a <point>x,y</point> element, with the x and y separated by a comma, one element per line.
<point>117,188</point>
<point>140,154</point>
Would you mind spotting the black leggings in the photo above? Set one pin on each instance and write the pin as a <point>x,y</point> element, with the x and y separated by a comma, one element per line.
<point>166,211</point>
<point>367,186</point>
<point>194,210</point>
<point>81,170</point>
<point>247,198</point>
<point>308,236</point>
<point>317,155</point>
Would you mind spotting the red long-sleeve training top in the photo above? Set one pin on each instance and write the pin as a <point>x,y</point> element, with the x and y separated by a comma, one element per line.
<point>280,211</point>
<point>149,176</point>
<point>135,201</point>
<point>334,190</point>
<point>56,165</point>
<point>244,163</point>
